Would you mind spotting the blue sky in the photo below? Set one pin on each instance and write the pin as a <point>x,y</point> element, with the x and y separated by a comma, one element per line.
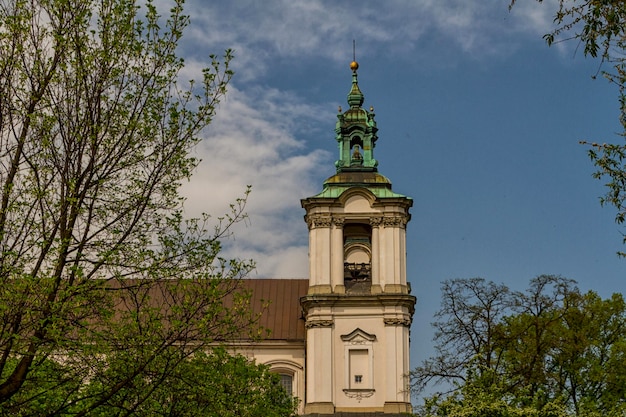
<point>479,122</point>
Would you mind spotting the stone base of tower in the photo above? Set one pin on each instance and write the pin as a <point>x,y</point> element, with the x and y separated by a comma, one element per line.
<point>391,409</point>
<point>398,408</point>
<point>316,409</point>
<point>359,414</point>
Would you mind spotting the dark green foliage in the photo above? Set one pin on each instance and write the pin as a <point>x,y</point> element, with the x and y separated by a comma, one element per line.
<point>215,384</point>
<point>50,386</point>
<point>221,385</point>
<point>105,290</point>
<point>550,346</point>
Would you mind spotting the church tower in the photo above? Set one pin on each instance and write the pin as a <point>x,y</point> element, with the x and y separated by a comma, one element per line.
<point>358,308</point>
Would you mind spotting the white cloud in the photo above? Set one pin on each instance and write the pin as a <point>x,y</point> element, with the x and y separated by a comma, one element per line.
<point>253,141</point>
<point>534,18</point>
<point>298,29</point>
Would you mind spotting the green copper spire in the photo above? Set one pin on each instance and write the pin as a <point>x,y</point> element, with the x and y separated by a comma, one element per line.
<point>355,96</point>
<point>356,137</point>
<point>356,132</point>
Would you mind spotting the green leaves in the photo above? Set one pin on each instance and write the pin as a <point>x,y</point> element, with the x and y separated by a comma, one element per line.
<point>207,384</point>
<point>221,385</point>
<point>550,350</point>
<point>105,288</point>
<point>476,398</point>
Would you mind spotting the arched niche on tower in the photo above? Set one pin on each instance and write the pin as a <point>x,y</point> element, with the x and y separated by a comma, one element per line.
<point>356,151</point>
<point>357,200</point>
<point>357,208</point>
<point>356,140</point>
<point>357,261</point>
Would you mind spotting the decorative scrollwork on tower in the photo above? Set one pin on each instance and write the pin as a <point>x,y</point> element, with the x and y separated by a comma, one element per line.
<point>319,323</point>
<point>358,394</point>
<point>376,221</point>
<point>315,221</point>
<point>395,221</point>
<point>338,221</point>
<point>397,321</point>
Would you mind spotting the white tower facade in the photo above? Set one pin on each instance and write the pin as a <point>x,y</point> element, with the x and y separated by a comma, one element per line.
<point>358,309</point>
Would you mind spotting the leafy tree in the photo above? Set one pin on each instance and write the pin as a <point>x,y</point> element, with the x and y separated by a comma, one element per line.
<point>48,387</point>
<point>549,346</point>
<point>485,397</point>
<point>600,27</point>
<point>103,284</point>
<point>465,328</point>
<point>224,385</point>
<point>215,384</point>
<point>211,383</point>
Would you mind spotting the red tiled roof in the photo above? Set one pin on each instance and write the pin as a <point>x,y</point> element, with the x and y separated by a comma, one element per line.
<point>278,301</point>
<point>283,315</point>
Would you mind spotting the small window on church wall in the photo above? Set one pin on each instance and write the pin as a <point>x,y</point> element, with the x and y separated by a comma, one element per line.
<point>359,368</point>
<point>286,381</point>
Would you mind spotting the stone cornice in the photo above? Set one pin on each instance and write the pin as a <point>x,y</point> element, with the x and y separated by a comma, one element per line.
<point>265,344</point>
<point>379,300</point>
<point>309,203</point>
<point>315,221</point>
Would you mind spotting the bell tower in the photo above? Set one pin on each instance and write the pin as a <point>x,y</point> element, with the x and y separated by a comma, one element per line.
<point>358,309</point>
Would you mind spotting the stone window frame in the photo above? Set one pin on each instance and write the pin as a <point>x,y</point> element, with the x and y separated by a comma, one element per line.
<point>359,340</point>
<point>293,369</point>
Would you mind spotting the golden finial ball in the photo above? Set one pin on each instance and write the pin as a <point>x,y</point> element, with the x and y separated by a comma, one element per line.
<point>354,65</point>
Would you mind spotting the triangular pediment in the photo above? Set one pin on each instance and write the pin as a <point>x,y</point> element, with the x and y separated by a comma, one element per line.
<point>358,335</point>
